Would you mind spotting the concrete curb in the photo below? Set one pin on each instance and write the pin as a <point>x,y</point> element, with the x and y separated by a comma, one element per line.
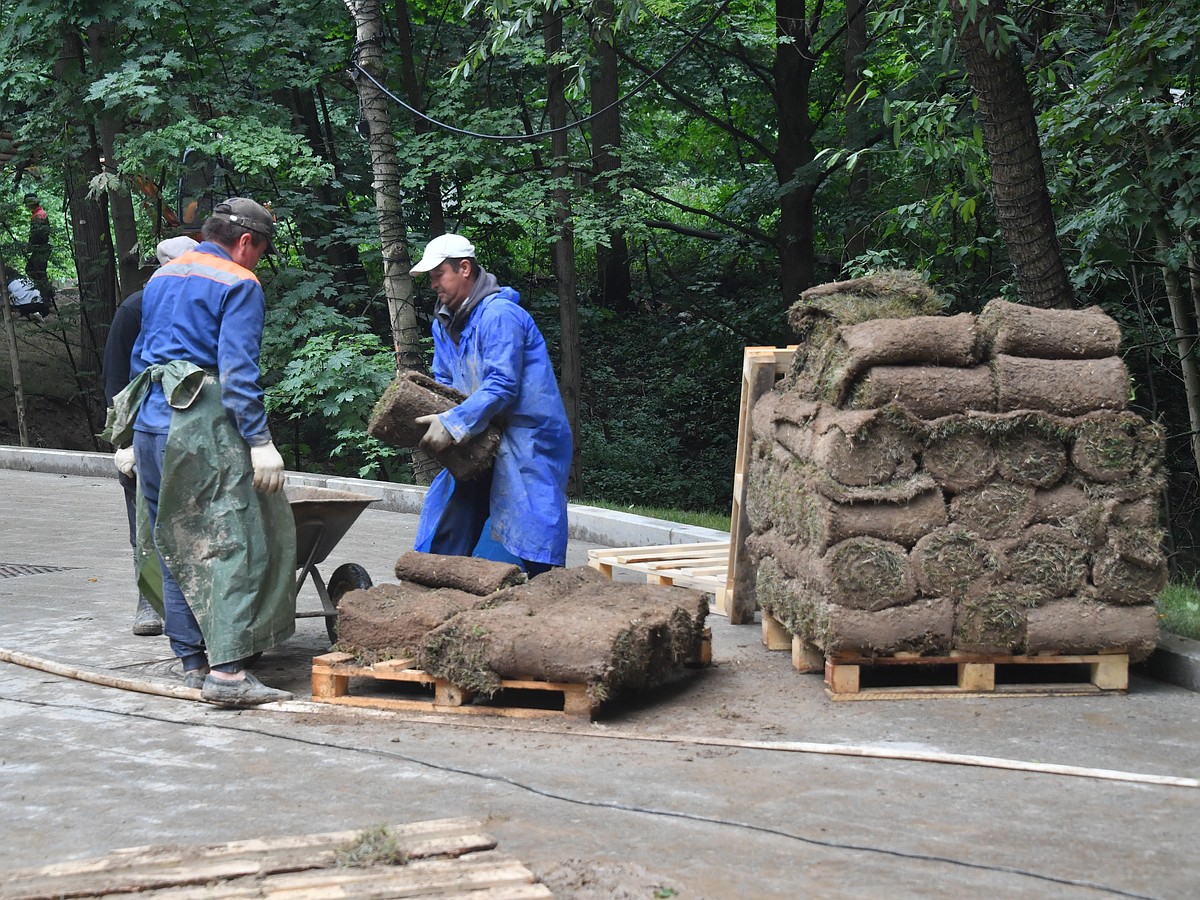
<point>1176,661</point>
<point>586,523</point>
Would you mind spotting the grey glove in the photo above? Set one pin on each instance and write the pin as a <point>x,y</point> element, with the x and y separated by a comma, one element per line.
<point>437,438</point>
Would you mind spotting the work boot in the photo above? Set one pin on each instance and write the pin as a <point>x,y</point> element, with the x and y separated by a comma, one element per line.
<point>145,620</point>
<point>249,692</point>
<point>194,679</point>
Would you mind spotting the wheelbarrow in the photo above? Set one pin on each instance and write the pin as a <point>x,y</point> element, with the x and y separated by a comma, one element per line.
<point>323,517</point>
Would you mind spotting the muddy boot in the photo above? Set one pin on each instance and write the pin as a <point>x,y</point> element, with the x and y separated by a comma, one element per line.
<point>146,621</point>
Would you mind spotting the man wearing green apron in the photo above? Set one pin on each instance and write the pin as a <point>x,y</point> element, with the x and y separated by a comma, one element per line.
<point>207,467</point>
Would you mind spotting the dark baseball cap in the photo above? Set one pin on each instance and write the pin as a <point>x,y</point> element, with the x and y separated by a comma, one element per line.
<point>250,215</point>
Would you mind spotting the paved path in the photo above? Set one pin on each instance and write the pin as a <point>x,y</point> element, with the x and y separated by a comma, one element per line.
<point>708,788</point>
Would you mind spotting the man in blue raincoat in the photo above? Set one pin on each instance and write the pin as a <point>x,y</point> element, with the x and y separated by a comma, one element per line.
<point>486,346</point>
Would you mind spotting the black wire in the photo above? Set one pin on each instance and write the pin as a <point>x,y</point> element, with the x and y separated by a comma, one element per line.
<point>601,804</point>
<point>541,134</point>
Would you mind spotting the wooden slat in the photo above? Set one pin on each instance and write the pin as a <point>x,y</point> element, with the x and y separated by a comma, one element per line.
<point>700,566</point>
<point>187,871</point>
<point>761,366</point>
<point>331,685</point>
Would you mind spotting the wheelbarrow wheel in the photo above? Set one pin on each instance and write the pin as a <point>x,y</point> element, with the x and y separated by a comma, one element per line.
<point>346,577</point>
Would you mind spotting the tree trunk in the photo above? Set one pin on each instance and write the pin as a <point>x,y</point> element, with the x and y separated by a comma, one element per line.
<point>412,86</point>
<point>793,72</point>
<point>857,232</point>
<point>120,202</point>
<point>14,358</point>
<point>612,262</point>
<point>570,377</point>
<point>91,242</point>
<point>1185,333</point>
<point>397,282</point>
<point>1010,136</point>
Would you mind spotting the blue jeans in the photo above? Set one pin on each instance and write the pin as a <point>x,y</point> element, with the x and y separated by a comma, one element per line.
<point>179,623</point>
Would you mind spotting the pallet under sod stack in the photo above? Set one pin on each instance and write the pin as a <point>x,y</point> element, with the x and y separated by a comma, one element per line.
<point>924,494</point>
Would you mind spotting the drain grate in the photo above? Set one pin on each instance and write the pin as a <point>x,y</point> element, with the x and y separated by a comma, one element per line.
<point>16,570</point>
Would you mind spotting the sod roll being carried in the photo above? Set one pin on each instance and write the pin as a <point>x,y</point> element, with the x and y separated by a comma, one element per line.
<point>412,394</point>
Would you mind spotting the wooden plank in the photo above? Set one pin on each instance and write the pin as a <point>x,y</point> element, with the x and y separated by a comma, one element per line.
<point>761,366</point>
<point>699,566</point>
<point>775,636</point>
<point>158,869</point>
<point>472,876</point>
<point>805,657</point>
<point>977,676</point>
<point>626,555</point>
<point>447,697</point>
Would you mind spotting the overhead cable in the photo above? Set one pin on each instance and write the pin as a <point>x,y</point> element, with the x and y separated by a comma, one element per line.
<point>445,126</point>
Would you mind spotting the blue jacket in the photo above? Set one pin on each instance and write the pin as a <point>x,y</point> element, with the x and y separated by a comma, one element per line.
<point>205,309</point>
<point>502,365</point>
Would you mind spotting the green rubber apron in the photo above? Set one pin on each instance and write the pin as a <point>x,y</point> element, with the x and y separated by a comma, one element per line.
<point>231,548</point>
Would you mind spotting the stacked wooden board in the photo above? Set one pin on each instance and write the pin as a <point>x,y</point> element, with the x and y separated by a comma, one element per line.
<point>443,857</point>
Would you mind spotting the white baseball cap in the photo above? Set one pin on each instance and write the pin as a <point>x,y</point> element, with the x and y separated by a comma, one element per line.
<point>442,248</point>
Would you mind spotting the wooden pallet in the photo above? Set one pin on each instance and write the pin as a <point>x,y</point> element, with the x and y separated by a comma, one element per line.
<point>761,367</point>
<point>395,684</point>
<point>904,677</point>
<point>416,689</point>
<point>445,857</point>
<point>700,566</point>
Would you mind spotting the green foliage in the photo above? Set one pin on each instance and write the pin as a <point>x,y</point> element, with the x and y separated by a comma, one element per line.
<point>660,424</point>
<point>1179,610</point>
<point>328,387</point>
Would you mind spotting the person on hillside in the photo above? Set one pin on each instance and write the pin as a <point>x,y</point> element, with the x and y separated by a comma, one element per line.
<point>486,346</point>
<point>122,334</point>
<point>38,245</point>
<point>207,466</point>
<point>24,296</point>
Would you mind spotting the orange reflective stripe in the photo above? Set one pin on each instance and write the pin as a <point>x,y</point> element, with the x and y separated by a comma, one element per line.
<point>206,265</point>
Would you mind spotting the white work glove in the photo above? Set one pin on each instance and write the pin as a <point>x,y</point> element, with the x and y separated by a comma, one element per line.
<point>437,438</point>
<point>268,468</point>
<point>124,460</point>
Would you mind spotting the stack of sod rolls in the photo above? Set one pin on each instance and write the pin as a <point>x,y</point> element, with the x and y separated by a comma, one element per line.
<point>927,483</point>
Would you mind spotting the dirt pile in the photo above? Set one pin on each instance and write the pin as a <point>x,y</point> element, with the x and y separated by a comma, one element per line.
<point>470,622</point>
<point>934,483</point>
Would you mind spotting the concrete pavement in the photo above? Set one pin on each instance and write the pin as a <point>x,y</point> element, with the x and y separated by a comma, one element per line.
<point>740,780</point>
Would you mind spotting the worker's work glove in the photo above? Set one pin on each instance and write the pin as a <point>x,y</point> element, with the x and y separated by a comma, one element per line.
<point>437,438</point>
<point>268,468</point>
<point>124,460</point>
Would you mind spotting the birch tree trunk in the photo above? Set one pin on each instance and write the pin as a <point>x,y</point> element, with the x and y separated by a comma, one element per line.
<point>1182,317</point>
<point>393,237</point>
